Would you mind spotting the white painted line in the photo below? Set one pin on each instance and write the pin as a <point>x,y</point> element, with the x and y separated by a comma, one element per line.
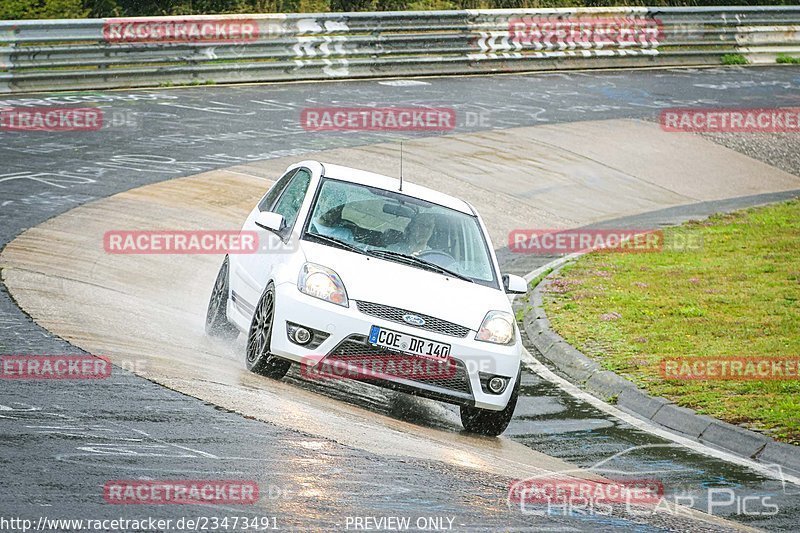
<point>640,423</point>
<point>530,276</point>
<point>403,83</point>
<point>167,443</point>
<point>644,425</point>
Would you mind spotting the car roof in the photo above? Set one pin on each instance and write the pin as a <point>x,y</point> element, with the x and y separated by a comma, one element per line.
<point>392,184</point>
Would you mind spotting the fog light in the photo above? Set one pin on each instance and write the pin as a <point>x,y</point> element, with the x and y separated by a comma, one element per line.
<point>496,385</point>
<point>302,336</point>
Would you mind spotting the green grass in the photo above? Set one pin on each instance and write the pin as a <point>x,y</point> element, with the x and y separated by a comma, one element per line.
<point>784,58</point>
<point>738,296</point>
<point>734,59</point>
<point>538,279</point>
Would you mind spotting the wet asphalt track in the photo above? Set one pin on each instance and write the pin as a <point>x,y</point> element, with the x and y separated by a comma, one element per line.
<point>61,441</point>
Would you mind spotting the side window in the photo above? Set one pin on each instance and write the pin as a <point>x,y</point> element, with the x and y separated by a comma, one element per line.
<point>292,198</point>
<point>272,195</point>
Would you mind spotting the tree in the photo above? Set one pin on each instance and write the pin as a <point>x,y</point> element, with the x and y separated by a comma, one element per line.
<point>42,9</point>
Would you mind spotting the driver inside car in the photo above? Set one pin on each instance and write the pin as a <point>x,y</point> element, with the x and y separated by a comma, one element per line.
<point>416,235</point>
<point>329,220</point>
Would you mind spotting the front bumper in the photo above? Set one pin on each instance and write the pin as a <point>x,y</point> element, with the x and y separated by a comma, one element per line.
<point>348,329</point>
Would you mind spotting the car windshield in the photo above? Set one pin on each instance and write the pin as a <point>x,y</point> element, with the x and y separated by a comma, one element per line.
<point>401,228</point>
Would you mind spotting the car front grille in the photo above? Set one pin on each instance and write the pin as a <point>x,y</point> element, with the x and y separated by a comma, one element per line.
<point>395,314</point>
<point>355,350</point>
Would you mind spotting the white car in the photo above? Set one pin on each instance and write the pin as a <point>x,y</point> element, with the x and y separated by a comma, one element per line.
<point>362,267</point>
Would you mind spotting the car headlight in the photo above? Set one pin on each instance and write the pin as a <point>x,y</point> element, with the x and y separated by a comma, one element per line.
<point>497,327</point>
<point>323,283</point>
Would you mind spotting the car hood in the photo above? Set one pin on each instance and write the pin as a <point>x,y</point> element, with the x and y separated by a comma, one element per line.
<point>420,291</point>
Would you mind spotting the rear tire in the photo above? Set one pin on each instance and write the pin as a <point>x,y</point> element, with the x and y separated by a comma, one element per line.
<point>217,324</point>
<point>258,359</point>
<point>487,422</point>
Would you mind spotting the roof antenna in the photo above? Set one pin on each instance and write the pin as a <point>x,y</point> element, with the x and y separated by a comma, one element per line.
<point>401,166</point>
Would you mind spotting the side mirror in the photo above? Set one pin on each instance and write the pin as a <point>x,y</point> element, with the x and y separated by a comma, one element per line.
<point>270,221</point>
<point>514,284</point>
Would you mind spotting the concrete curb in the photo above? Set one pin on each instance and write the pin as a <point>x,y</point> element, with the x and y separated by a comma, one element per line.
<point>609,386</point>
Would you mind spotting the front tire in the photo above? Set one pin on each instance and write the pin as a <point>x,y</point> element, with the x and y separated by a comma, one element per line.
<point>217,324</point>
<point>258,359</point>
<point>487,422</point>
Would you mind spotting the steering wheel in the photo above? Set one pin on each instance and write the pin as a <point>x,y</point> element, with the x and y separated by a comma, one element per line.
<point>443,259</point>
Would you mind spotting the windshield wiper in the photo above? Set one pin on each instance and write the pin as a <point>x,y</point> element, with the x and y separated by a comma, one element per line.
<point>336,242</point>
<point>420,262</point>
<point>387,253</point>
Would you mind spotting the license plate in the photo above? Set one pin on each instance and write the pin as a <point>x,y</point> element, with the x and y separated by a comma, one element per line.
<point>394,340</point>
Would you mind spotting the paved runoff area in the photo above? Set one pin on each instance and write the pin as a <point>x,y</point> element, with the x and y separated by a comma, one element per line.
<point>557,151</point>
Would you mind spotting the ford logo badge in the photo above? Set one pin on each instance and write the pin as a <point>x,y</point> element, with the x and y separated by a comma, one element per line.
<point>414,320</point>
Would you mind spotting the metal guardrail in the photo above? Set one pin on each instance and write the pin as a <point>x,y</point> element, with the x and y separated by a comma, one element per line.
<point>141,52</point>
